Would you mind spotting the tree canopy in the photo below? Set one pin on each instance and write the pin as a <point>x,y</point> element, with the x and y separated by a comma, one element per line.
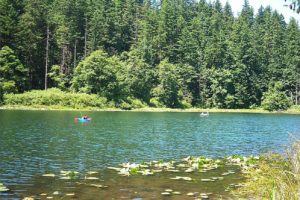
<point>173,53</point>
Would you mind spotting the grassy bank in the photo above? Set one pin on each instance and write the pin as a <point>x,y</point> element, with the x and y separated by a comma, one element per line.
<point>145,109</point>
<point>275,177</point>
<point>54,99</point>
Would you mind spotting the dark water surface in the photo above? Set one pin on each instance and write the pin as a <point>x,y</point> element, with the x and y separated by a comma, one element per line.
<point>33,143</point>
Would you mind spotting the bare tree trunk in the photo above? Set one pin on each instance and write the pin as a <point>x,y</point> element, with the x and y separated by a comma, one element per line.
<point>47,57</point>
<point>296,102</point>
<point>75,52</point>
<point>136,26</point>
<point>62,67</point>
<point>85,38</point>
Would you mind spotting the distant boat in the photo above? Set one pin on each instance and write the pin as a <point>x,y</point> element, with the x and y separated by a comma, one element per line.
<point>204,114</point>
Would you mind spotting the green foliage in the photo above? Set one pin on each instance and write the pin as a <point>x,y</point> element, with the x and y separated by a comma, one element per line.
<point>59,79</point>
<point>176,54</point>
<point>140,77</point>
<point>134,171</point>
<point>275,98</point>
<point>3,188</point>
<point>1,94</point>
<point>222,89</point>
<point>168,90</point>
<point>154,102</point>
<point>272,178</point>
<point>13,74</point>
<point>55,96</point>
<point>99,74</point>
<point>130,103</point>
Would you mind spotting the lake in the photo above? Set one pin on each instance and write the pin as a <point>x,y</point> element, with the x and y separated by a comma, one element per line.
<point>33,143</point>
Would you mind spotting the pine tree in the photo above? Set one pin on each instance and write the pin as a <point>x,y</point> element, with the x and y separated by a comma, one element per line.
<point>13,75</point>
<point>292,59</point>
<point>10,11</point>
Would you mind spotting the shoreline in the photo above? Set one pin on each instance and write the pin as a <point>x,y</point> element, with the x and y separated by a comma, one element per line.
<point>147,109</point>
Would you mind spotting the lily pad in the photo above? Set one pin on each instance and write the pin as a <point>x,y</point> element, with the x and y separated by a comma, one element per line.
<point>3,188</point>
<point>91,178</point>
<point>176,193</point>
<point>56,193</point>
<point>182,177</point>
<point>28,198</point>
<point>206,180</point>
<point>92,172</point>
<point>190,194</point>
<point>98,186</point>
<point>189,170</point>
<point>49,175</point>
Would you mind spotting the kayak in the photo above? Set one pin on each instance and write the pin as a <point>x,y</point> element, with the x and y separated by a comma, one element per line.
<point>81,119</point>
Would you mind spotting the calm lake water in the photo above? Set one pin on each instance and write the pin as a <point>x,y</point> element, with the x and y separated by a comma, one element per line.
<point>33,143</point>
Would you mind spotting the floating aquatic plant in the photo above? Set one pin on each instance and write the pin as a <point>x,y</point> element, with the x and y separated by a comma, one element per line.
<point>134,171</point>
<point>69,175</point>
<point>3,188</point>
<point>49,175</point>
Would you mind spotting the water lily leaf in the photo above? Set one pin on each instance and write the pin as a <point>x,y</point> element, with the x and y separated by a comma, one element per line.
<point>176,192</point>
<point>91,178</point>
<point>92,172</point>
<point>4,189</point>
<point>98,185</point>
<point>114,168</point>
<point>49,175</point>
<point>65,178</point>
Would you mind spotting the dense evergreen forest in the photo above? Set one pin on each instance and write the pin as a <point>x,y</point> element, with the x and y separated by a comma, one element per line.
<point>171,53</point>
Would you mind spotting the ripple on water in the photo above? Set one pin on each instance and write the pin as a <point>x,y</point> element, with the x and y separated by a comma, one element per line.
<point>49,141</point>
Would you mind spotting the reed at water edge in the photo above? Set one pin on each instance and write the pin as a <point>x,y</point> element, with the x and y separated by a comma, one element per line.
<point>275,177</point>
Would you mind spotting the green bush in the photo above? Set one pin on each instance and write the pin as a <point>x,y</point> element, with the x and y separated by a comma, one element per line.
<point>124,106</point>
<point>131,103</point>
<point>13,74</point>
<point>186,104</point>
<point>275,98</point>
<point>55,97</point>
<point>154,102</point>
<point>1,94</point>
<point>136,103</point>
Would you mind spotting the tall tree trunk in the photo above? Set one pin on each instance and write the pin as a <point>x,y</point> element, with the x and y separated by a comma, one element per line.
<point>62,66</point>
<point>296,102</point>
<point>85,38</point>
<point>136,26</point>
<point>75,52</point>
<point>47,57</point>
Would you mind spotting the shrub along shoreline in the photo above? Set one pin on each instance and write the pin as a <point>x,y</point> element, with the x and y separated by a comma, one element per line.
<point>55,99</point>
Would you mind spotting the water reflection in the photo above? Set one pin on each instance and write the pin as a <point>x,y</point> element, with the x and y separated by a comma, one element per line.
<point>37,142</point>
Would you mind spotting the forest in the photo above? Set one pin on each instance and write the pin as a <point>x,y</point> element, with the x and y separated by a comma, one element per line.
<point>171,53</point>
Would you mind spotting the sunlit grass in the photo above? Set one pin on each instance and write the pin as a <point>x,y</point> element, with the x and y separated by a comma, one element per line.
<point>275,177</point>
